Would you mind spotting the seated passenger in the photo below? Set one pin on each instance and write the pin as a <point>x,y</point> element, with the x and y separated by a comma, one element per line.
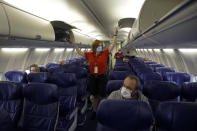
<point>118,54</point>
<point>146,59</point>
<point>125,59</point>
<point>34,68</point>
<point>129,91</point>
<point>61,62</point>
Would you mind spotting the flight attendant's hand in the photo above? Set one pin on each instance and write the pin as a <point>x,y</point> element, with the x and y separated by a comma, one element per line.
<point>116,31</point>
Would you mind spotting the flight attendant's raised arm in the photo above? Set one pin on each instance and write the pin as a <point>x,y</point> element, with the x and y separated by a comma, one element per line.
<point>78,50</point>
<point>114,40</point>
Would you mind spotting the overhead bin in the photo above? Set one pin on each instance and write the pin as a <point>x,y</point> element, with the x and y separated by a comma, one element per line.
<point>81,38</point>
<point>177,29</point>
<point>27,26</point>
<point>4,27</point>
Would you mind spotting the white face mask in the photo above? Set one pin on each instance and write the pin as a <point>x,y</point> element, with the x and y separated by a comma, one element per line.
<point>126,93</point>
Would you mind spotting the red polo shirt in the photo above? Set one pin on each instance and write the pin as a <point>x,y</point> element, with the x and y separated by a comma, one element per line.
<point>100,61</point>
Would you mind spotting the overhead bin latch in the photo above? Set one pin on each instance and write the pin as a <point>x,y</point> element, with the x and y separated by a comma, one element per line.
<point>38,37</point>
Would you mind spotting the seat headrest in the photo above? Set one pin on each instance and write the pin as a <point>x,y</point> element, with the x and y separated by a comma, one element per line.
<point>161,90</point>
<point>140,71</point>
<point>178,77</point>
<point>50,65</point>
<point>119,75</point>
<point>113,85</point>
<point>10,91</point>
<point>16,76</point>
<point>40,77</point>
<point>42,69</point>
<point>150,76</point>
<point>41,93</point>
<point>177,116</point>
<point>122,68</point>
<point>165,69</point>
<point>189,90</point>
<point>125,115</point>
<point>150,62</point>
<point>80,72</point>
<point>153,66</point>
<point>64,80</point>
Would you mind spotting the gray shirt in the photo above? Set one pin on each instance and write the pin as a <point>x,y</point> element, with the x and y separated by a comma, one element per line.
<point>117,95</point>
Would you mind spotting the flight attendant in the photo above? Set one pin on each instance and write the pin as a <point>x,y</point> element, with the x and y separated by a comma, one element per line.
<point>98,62</point>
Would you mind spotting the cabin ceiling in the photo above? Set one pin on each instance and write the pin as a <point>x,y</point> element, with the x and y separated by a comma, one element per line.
<point>95,18</point>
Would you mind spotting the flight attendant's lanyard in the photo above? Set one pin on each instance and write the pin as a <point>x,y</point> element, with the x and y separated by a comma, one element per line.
<point>95,66</point>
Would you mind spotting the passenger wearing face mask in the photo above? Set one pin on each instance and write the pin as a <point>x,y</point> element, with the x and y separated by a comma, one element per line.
<point>118,54</point>
<point>97,58</point>
<point>129,90</point>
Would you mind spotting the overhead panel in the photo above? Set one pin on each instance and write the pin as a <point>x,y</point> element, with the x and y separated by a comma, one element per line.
<point>4,27</point>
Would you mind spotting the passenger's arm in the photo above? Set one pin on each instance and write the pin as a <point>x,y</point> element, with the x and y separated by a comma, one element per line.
<point>114,40</point>
<point>78,50</point>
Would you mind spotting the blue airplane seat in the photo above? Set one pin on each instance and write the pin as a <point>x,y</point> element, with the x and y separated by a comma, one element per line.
<point>149,62</point>
<point>150,76</point>
<point>50,65</point>
<point>40,77</point>
<point>142,70</point>
<point>42,69</point>
<point>113,85</point>
<point>122,68</point>
<point>11,100</point>
<point>163,70</point>
<point>67,90</point>
<point>158,91</point>
<point>154,66</point>
<point>82,97</point>
<point>40,108</point>
<point>16,76</point>
<point>124,115</point>
<point>119,75</point>
<point>189,91</point>
<point>176,116</point>
<point>6,123</point>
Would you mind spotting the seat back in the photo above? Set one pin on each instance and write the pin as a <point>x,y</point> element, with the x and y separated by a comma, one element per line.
<point>189,91</point>
<point>113,85</point>
<point>40,77</point>
<point>157,91</point>
<point>178,77</point>
<point>121,115</point>
<point>11,100</point>
<point>154,66</point>
<point>6,123</point>
<point>176,116</point>
<point>150,76</point>
<point>41,107</point>
<point>119,75</point>
<point>122,68</point>
<point>67,91</point>
<point>16,76</point>
<point>163,70</point>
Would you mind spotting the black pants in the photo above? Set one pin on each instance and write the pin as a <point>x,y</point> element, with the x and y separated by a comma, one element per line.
<point>97,85</point>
